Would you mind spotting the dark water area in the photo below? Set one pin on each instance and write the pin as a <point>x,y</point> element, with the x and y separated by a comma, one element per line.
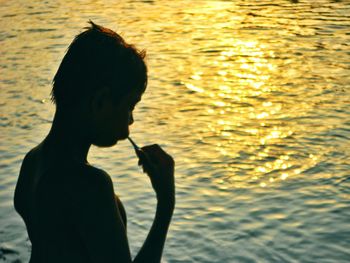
<point>252,99</point>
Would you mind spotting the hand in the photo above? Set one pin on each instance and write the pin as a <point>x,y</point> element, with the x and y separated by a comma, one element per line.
<point>159,166</point>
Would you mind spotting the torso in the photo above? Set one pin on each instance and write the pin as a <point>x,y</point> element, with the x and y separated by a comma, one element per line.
<point>42,198</point>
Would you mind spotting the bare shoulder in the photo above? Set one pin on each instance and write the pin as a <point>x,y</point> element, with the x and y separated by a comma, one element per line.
<point>24,181</point>
<point>89,175</point>
<point>27,161</point>
<point>91,183</point>
<point>27,166</point>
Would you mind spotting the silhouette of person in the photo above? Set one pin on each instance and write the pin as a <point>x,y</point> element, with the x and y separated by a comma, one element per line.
<point>69,206</point>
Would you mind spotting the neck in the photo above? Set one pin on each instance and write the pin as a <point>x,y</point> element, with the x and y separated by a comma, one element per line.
<point>67,138</point>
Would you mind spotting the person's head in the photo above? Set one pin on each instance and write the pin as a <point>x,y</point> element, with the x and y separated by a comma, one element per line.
<point>105,76</point>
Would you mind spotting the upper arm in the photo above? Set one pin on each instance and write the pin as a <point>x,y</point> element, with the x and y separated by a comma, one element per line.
<point>98,219</point>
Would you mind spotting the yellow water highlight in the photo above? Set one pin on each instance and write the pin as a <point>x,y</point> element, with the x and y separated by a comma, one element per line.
<point>252,79</point>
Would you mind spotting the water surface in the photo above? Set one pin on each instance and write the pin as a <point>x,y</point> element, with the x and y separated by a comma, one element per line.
<point>250,97</point>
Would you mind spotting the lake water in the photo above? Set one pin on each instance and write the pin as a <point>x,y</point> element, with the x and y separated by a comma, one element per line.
<point>252,99</point>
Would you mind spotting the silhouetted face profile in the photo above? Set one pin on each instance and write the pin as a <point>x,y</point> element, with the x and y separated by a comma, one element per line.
<point>98,83</point>
<point>111,120</point>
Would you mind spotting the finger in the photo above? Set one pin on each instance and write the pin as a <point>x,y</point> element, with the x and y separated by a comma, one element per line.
<point>153,148</point>
<point>139,153</point>
<point>143,157</point>
<point>148,166</point>
<point>155,153</point>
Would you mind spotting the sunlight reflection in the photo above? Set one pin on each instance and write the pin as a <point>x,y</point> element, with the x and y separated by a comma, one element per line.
<point>194,88</point>
<point>240,97</point>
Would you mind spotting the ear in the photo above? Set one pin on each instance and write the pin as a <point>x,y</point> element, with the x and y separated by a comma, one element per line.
<point>100,100</point>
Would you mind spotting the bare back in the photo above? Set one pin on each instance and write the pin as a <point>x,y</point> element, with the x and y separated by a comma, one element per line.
<point>44,198</point>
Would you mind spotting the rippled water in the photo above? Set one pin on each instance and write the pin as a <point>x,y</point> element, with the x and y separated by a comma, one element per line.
<point>250,97</point>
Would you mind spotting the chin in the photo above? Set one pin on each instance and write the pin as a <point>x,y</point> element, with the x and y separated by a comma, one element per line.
<point>105,143</point>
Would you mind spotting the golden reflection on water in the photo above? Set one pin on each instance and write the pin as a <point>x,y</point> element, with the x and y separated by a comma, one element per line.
<point>240,65</point>
<point>241,75</point>
<point>244,94</point>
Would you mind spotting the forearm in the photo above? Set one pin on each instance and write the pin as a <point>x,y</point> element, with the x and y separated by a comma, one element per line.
<point>151,251</point>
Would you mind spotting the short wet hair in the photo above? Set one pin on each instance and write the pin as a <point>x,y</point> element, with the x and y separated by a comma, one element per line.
<point>98,57</point>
